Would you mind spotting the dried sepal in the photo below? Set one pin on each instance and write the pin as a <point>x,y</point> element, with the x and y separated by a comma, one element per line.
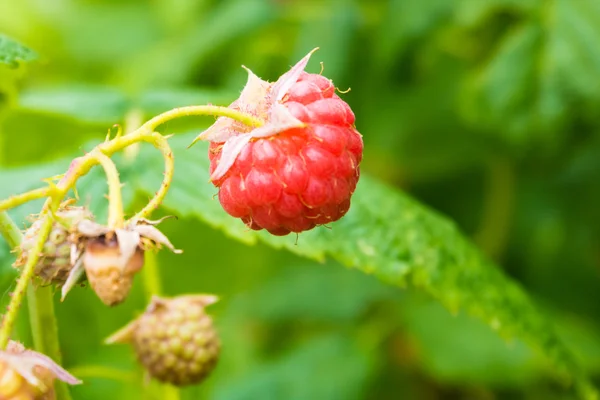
<point>263,100</point>
<point>26,374</point>
<point>112,257</point>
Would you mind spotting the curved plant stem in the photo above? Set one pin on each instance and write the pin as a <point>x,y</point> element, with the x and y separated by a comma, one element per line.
<point>26,275</point>
<point>81,166</point>
<point>189,111</point>
<point>161,143</point>
<point>115,200</point>
<point>146,133</point>
<point>17,200</point>
<point>9,230</point>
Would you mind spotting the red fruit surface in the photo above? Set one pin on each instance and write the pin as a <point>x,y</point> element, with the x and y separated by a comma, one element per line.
<point>300,177</point>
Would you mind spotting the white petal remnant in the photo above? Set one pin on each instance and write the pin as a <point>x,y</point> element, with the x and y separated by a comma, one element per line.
<point>26,374</point>
<point>262,100</point>
<point>112,257</point>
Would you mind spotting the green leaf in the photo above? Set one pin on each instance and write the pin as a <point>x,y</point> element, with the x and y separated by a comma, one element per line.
<point>13,52</point>
<point>326,367</point>
<point>105,105</point>
<point>542,72</point>
<point>391,236</point>
<point>91,104</point>
<point>469,353</point>
<point>386,234</point>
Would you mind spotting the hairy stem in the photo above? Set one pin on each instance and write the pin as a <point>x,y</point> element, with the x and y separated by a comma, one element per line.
<point>45,330</point>
<point>189,111</point>
<point>161,143</point>
<point>146,133</point>
<point>115,201</point>
<point>9,230</point>
<point>17,200</point>
<point>81,166</point>
<point>26,275</point>
<point>41,310</point>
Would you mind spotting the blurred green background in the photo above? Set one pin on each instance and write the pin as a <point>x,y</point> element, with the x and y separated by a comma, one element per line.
<point>485,110</point>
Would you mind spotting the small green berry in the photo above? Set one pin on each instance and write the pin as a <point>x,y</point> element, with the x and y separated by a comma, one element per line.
<point>169,341</point>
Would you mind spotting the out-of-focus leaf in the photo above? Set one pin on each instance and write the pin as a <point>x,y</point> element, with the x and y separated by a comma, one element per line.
<point>174,59</point>
<point>328,367</point>
<point>468,352</point>
<point>321,293</point>
<point>396,239</point>
<point>539,72</point>
<point>385,233</point>
<point>333,34</point>
<point>160,100</point>
<point>13,52</point>
<point>91,104</point>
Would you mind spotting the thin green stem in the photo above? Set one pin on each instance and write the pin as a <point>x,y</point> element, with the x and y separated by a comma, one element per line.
<point>81,166</point>
<point>189,111</point>
<point>153,287</point>
<point>45,330</point>
<point>115,200</point>
<point>99,371</point>
<point>9,230</point>
<point>41,310</point>
<point>26,275</point>
<point>17,200</point>
<point>151,275</point>
<point>161,144</point>
<point>170,392</point>
<point>497,208</point>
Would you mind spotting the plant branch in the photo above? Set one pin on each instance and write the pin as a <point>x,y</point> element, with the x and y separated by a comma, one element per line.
<point>146,133</point>
<point>41,310</point>
<point>161,143</point>
<point>115,200</point>
<point>26,275</point>
<point>45,330</point>
<point>17,200</point>
<point>81,166</point>
<point>9,230</point>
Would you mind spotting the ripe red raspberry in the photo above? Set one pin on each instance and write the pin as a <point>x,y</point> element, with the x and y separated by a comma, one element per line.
<point>298,170</point>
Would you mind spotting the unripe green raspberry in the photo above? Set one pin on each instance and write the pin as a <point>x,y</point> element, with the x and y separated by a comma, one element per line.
<point>55,262</point>
<point>174,339</point>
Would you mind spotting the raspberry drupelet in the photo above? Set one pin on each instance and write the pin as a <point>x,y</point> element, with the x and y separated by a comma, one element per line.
<point>297,171</point>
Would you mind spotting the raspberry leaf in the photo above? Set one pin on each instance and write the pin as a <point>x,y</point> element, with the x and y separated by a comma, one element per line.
<point>12,52</point>
<point>403,243</point>
<point>386,234</point>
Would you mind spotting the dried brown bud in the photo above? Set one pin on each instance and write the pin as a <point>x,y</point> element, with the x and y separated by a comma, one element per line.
<point>112,257</point>
<point>109,273</point>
